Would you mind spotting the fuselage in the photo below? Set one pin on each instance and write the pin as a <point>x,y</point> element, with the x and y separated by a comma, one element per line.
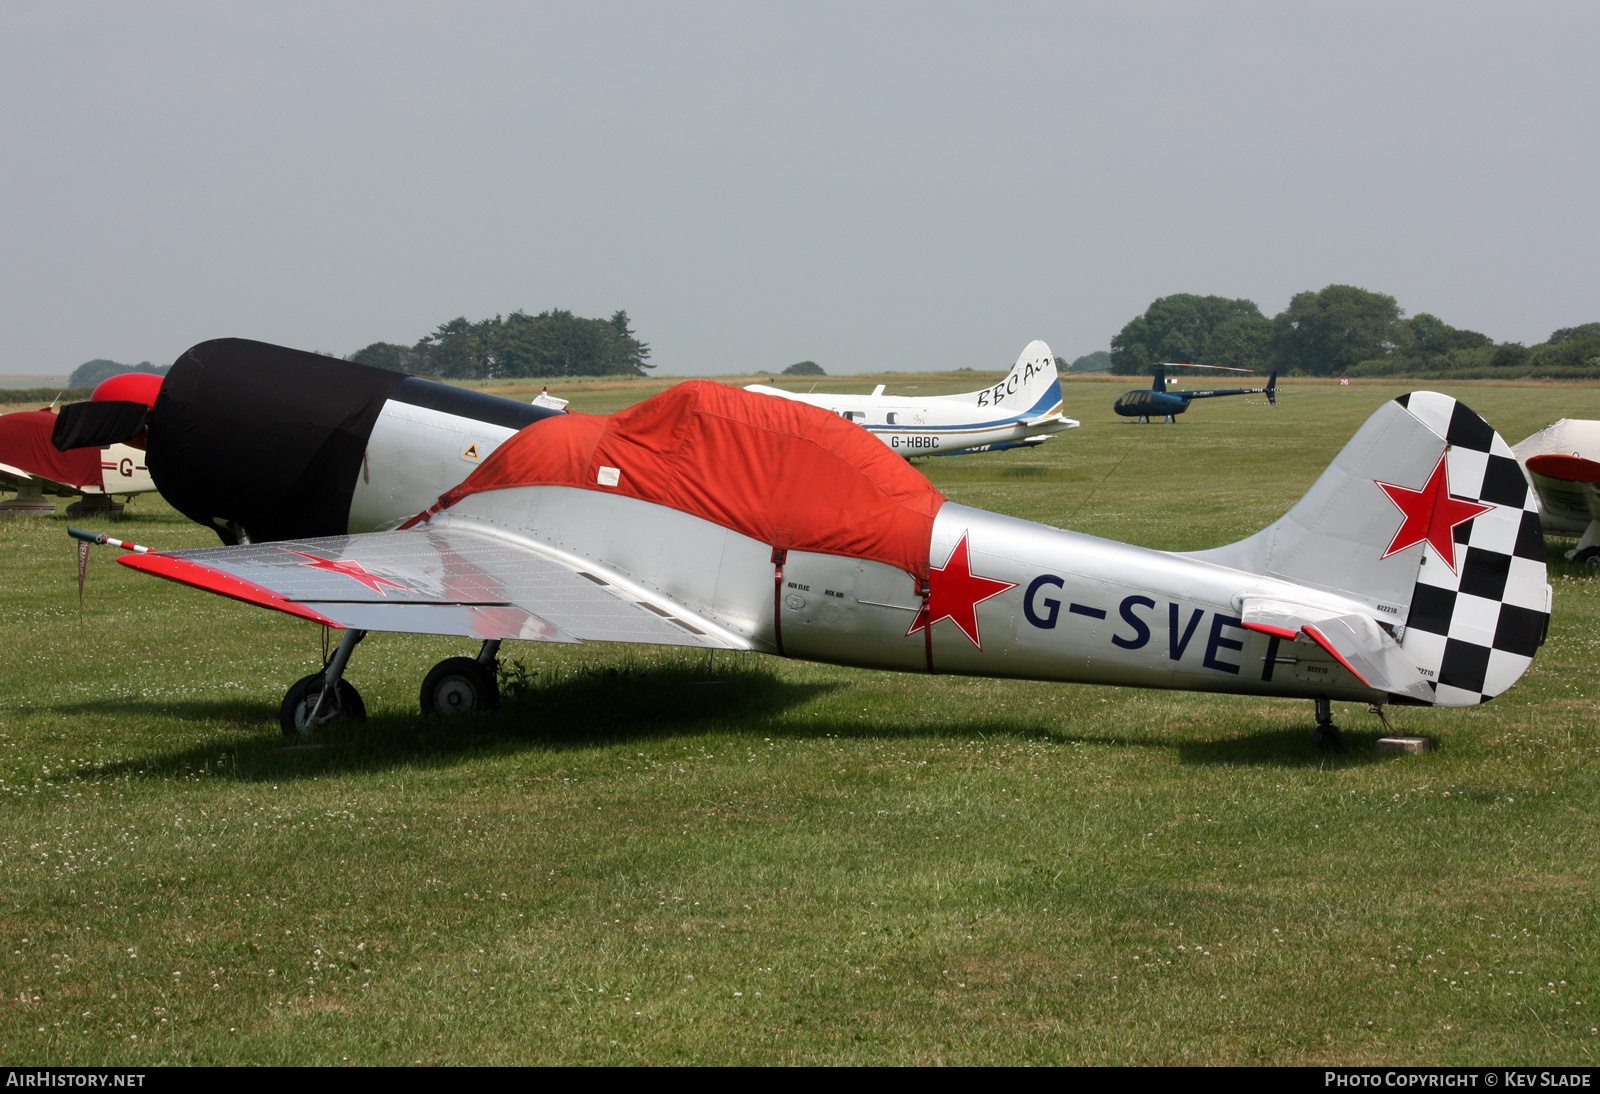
<point>944,425</point>
<point>1150,403</point>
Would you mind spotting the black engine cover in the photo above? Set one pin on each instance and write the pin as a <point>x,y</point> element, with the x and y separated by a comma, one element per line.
<point>251,436</point>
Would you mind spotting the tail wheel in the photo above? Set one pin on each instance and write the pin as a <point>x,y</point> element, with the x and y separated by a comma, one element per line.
<point>1589,556</point>
<point>459,685</point>
<point>294,716</point>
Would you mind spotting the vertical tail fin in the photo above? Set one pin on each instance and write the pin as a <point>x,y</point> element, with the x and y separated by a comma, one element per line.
<point>1032,388</point>
<point>1426,518</point>
<point>1272,388</point>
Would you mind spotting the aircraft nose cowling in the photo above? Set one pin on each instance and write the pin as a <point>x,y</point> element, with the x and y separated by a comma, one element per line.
<point>128,387</point>
<point>251,438</point>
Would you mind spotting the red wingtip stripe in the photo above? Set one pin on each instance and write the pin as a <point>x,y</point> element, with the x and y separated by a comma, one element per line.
<point>215,581</point>
<point>1318,637</point>
<point>1267,628</point>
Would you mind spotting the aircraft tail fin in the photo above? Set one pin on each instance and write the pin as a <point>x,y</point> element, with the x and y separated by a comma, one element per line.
<point>1031,389</point>
<point>1426,519</point>
<point>1272,388</point>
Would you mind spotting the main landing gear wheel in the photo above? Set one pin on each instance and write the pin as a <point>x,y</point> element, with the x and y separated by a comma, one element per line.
<point>1589,556</point>
<point>299,704</point>
<point>460,685</point>
<point>1326,736</point>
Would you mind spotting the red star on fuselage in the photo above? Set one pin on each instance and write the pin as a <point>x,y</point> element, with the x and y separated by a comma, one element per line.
<point>353,569</point>
<point>1431,513</point>
<point>954,593</point>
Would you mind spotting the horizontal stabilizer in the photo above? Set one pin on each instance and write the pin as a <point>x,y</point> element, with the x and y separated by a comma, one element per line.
<point>1355,640</point>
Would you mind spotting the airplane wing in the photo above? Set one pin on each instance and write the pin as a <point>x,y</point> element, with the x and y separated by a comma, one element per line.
<point>1355,641</point>
<point>15,478</point>
<point>439,581</point>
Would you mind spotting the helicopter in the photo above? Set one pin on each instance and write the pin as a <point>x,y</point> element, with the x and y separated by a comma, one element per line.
<point>1157,400</point>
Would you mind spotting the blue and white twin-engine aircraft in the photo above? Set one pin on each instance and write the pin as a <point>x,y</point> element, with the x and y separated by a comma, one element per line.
<point>1020,411</point>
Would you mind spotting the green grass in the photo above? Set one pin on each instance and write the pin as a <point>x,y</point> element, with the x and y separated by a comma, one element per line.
<point>651,856</point>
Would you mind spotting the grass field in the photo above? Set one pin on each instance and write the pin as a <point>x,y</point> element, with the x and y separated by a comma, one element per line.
<point>654,857</point>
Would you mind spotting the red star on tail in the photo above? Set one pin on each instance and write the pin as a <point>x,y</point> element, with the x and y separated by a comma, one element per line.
<point>351,568</point>
<point>1431,513</point>
<point>954,593</point>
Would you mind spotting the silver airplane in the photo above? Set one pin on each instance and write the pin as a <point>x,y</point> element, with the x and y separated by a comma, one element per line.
<point>1020,411</point>
<point>1411,572</point>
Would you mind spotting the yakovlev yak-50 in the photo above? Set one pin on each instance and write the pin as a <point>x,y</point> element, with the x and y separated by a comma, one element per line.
<point>1020,411</point>
<point>33,467</point>
<point>1563,464</point>
<point>1156,400</point>
<point>1413,570</point>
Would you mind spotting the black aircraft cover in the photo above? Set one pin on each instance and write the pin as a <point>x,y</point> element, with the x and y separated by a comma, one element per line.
<point>251,436</point>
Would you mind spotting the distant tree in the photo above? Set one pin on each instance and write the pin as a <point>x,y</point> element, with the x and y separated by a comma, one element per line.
<point>1566,334</point>
<point>1569,352</point>
<point>1329,332</point>
<point>1199,330</point>
<point>804,368</point>
<point>552,343</point>
<point>93,372</point>
<point>387,355</point>
<point>1427,337</point>
<point>1510,355</point>
<point>1098,361</point>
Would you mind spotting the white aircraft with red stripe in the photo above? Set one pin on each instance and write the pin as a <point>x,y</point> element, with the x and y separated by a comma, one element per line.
<point>1563,466</point>
<point>1412,572</point>
<point>32,466</point>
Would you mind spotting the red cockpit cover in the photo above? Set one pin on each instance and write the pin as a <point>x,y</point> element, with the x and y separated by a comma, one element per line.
<point>25,445</point>
<point>779,471</point>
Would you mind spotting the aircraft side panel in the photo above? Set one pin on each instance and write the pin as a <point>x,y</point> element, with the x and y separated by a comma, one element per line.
<point>1083,608</point>
<point>847,611</point>
<point>123,470</point>
<point>413,455</point>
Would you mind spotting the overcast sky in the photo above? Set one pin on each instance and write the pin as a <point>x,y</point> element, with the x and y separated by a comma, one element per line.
<point>869,185</point>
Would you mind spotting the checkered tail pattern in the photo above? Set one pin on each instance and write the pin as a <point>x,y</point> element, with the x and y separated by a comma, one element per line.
<point>1474,626</point>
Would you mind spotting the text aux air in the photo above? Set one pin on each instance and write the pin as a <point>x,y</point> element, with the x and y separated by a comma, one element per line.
<point>1141,620</point>
<point>994,395</point>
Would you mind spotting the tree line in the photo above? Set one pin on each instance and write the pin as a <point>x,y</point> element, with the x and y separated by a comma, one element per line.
<point>1340,331</point>
<point>551,344</point>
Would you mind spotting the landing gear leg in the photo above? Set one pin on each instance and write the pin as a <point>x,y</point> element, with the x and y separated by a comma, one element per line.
<point>489,653</point>
<point>318,699</point>
<point>1326,736</point>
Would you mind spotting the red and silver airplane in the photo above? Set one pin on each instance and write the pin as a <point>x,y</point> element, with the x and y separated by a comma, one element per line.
<point>32,466</point>
<point>1413,570</point>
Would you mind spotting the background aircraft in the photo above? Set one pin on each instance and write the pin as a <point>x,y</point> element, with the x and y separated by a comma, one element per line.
<point>713,517</point>
<point>1563,466</point>
<point>31,465</point>
<point>1020,411</point>
<point>1157,400</point>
